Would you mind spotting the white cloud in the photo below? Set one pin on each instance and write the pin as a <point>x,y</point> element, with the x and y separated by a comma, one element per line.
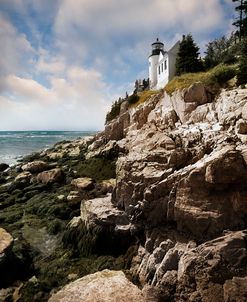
<point>27,89</point>
<point>109,17</point>
<point>15,48</point>
<point>115,35</point>
<point>50,64</point>
<point>76,101</point>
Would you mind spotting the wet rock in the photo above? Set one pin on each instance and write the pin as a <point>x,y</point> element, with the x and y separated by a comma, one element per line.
<point>74,198</point>
<point>51,176</point>
<point>74,152</point>
<point>6,241</point>
<point>3,167</point>
<point>24,177</point>
<point>15,263</point>
<point>104,286</point>
<point>107,186</point>
<point>56,155</point>
<point>35,166</point>
<point>83,183</point>
<point>111,226</point>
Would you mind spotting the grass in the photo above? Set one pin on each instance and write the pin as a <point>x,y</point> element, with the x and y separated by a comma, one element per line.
<point>217,75</point>
<point>144,96</point>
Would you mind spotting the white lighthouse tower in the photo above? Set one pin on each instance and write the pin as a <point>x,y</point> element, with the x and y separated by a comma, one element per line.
<point>157,49</point>
<point>162,65</point>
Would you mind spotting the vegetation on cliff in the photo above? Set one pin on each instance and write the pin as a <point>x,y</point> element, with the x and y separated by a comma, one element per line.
<point>218,75</point>
<point>242,70</point>
<point>188,56</point>
<point>241,20</point>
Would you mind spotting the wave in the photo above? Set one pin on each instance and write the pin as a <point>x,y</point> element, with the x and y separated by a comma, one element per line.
<point>16,144</point>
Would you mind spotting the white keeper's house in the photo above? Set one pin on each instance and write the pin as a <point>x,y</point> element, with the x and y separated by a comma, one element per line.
<point>161,65</point>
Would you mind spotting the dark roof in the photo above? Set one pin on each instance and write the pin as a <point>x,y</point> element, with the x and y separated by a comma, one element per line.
<point>158,42</point>
<point>156,52</point>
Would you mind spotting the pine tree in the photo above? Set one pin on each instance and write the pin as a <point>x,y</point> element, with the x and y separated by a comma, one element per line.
<point>242,72</point>
<point>220,50</point>
<point>188,56</point>
<point>241,22</point>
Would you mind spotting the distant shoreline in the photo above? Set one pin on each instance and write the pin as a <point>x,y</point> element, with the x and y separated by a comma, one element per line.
<point>16,144</point>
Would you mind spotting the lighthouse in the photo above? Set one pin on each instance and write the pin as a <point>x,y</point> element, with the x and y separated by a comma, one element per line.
<point>157,49</point>
<point>161,64</point>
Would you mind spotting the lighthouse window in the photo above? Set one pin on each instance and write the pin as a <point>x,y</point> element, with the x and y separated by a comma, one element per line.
<point>165,64</point>
<point>162,67</point>
<point>159,69</point>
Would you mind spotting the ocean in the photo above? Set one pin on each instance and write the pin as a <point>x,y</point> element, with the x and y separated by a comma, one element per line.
<point>16,144</point>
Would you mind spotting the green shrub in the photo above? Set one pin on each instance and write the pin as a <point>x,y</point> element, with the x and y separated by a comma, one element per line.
<point>134,98</point>
<point>222,73</point>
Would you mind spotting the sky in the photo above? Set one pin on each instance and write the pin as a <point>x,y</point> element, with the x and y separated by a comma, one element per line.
<point>63,62</point>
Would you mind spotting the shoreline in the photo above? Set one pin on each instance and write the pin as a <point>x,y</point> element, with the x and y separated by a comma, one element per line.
<point>39,196</point>
<point>13,146</point>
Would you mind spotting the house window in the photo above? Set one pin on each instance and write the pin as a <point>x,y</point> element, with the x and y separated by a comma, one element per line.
<point>165,64</point>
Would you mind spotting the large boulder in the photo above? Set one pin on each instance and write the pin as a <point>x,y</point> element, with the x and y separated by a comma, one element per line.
<point>104,286</point>
<point>100,211</point>
<point>51,176</point>
<point>23,177</point>
<point>35,166</point>
<point>82,183</point>
<point>6,242</point>
<point>110,227</point>
<point>203,271</point>
<point>211,197</point>
<point>196,93</point>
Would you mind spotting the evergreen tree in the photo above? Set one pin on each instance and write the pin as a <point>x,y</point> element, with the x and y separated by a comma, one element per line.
<point>241,22</point>
<point>242,72</point>
<point>220,50</point>
<point>136,86</point>
<point>188,56</point>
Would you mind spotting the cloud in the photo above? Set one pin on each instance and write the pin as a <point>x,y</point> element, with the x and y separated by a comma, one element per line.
<point>26,89</point>
<point>15,48</point>
<point>76,101</point>
<point>115,35</point>
<point>50,64</point>
<point>109,18</point>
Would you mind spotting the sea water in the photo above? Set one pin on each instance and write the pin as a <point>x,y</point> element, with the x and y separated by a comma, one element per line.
<point>15,144</point>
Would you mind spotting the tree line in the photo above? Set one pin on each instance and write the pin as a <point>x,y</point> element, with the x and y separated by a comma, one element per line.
<point>226,50</point>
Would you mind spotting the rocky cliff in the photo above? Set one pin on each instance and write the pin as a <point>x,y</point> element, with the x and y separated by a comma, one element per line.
<point>161,194</point>
<point>181,181</point>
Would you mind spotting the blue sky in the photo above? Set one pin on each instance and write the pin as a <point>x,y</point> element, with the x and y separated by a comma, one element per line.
<point>63,62</point>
